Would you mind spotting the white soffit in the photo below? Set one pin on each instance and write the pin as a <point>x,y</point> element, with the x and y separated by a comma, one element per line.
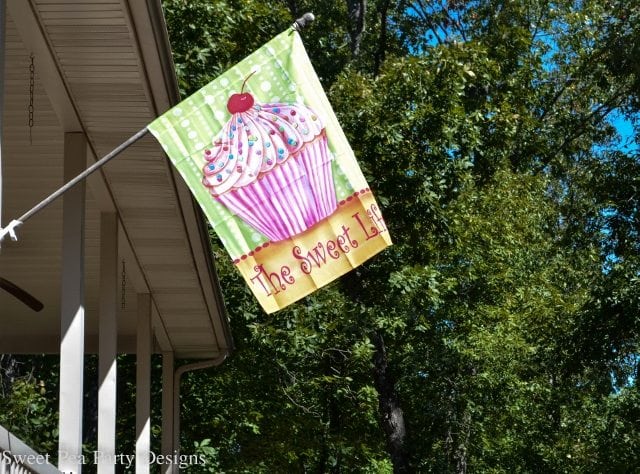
<point>102,67</point>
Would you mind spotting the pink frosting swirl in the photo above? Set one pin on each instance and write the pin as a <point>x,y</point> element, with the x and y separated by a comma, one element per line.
<point>255,141</point>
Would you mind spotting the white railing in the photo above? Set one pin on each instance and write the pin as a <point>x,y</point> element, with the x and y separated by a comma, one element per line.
<point>18,458</point>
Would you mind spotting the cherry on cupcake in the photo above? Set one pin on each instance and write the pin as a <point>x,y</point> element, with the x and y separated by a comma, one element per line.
<point>239,103</point>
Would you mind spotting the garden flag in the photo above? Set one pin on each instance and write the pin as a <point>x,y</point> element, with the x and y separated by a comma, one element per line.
<point>264,155</point>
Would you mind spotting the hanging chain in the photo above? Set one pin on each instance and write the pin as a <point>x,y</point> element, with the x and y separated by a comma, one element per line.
<point>123,289</point>
<point>32,85</point>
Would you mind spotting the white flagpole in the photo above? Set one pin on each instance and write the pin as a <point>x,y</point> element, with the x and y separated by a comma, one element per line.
<point>10,229</point>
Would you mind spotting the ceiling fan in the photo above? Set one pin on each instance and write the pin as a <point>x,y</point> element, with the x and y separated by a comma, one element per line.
<point>28,299</point>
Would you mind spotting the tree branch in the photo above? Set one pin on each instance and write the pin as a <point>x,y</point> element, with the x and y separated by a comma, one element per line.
<point>357,10</point>
<point>382,39</point>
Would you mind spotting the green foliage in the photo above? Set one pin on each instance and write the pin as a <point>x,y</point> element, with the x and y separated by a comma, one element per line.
<point>28,412</point>
<point>509,303</point>
<point>214,35</point>
<point>507,310</point>
<point>209,456</point>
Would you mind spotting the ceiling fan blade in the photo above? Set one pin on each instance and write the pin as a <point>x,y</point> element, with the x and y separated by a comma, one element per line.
<point>22,295</point>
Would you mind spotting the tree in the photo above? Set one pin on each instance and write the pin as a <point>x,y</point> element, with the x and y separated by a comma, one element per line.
<point>500,332</point>
<point>489,332</point>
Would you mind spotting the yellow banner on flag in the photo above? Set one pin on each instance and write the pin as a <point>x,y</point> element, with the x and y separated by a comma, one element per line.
<point>265,157</point>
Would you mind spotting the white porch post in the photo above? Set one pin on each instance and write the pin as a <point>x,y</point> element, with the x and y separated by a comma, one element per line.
<point>72,309</point>
<point>107,343</point>
<point>143,385</point>
<point>167,408</point>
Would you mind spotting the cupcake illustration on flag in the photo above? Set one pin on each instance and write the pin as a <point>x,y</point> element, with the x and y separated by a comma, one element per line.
<point>271,166</point>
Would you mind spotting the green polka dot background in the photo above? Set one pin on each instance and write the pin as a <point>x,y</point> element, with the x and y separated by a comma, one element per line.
<point>287,101</point>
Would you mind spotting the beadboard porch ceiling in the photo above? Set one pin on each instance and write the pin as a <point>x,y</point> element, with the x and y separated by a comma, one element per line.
<point>102,67</point>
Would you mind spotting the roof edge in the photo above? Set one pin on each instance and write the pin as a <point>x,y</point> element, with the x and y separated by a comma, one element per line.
<point>161,34</point>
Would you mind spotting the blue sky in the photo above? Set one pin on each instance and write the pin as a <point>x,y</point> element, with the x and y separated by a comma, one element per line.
<point>626,132</point>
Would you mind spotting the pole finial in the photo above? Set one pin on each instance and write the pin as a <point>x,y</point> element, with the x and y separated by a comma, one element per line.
<point>303,21</point>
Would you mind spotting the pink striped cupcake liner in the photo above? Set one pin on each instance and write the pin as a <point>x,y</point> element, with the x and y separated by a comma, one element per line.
<point>291,198</point>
